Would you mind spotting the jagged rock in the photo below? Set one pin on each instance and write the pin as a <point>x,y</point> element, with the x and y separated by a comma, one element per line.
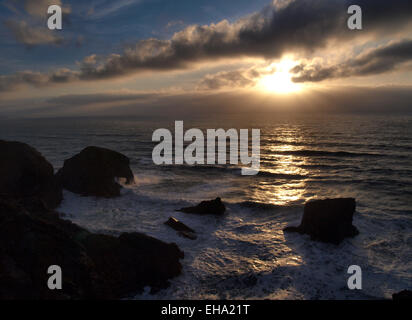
<point>94,266</point>
<point>207,207</point>
<point>25,173</point>
<point>328,220</point>
<point>93,172</point>
<point>181,228</point>
<point>403,295</point>
<point>33,237</point>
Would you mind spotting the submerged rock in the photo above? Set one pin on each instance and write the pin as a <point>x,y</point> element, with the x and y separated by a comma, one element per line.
<point>328,220</point>
<point>182,229</point>
<point>25,174</point>
<point>177,225</point>
<point>403,295</point>
<point>94,266</point>
<point>207,207</point>
<point>93,172</point>
<point>186,234</point>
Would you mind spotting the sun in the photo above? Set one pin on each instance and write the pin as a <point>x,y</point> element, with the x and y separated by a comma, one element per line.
<point>279,81</point>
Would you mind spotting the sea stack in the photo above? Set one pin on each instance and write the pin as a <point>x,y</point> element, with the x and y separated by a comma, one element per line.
<point>328,220</point>
<point>93,172</point>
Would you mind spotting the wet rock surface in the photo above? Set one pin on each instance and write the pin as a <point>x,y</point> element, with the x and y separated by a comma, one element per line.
<point>181,228</point>
<point>215,207</point>
<point>328,220</point>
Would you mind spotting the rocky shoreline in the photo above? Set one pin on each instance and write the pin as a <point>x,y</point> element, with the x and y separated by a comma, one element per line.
<point>34,237</point>
<point>96,266</point>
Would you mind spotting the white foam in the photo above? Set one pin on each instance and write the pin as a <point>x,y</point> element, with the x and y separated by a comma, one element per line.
<point>245,254</point>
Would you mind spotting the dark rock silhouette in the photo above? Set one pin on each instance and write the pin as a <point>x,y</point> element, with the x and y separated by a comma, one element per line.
<point>33,237</point>
<point>94,266</point>
<point>207,207</point>
<point>189,235</point>
<point>25,173</point>
<point>328,220</point>
<point>93,171</point>
<point>182,229</point>
<point>403,295</point>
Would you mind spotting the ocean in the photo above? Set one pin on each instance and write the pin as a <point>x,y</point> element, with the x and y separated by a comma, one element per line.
<point>245,254</point>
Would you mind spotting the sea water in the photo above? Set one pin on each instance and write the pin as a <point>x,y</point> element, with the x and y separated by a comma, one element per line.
<point>245,254</point>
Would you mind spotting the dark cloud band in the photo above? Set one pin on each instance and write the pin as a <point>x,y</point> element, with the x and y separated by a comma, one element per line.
<point>378,61</point>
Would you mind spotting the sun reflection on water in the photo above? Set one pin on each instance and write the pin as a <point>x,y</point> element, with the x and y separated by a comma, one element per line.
<point>289,183</point>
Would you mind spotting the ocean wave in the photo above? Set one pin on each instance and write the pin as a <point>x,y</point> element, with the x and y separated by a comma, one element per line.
<point>264,206</point>
<point>320,153</point>
<point>335,144</point>
<point>283,176</point>
<point>199,169</point>
<point>326,166</point>
<point>232,170</point>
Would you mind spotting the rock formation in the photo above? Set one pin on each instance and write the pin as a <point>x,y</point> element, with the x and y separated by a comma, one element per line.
<point>25,173</point>
<point>33,237</point>
<point>206,207</point>
<point>328,220</point>
<point>182,229</point>
<point>93,172</point>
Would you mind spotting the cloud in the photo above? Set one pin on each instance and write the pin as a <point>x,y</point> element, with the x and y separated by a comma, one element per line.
<point>29,27</point>
<point>383,59</point>
<point>279,4</point>
<point>173,24</point>
<point>109,7</point>
<point>36,79</point>
<point>31,36</point>
<point>229,79</point>
<point>297,26</point>
<point>302,25</point>
<point>38,8</point>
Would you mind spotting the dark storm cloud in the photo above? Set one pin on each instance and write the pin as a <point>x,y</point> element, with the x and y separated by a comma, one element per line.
<point>381,60</point>
<point>304,25</point>
<point>301,25</point>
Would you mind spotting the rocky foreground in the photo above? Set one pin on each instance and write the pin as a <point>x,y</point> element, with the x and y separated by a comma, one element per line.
<point>34,237</point>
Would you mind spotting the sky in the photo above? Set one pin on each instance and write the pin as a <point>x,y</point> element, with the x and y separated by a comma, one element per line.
<point>136,57</point>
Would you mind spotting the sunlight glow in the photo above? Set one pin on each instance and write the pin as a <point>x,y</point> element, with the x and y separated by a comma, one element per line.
<point>280,80</point>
